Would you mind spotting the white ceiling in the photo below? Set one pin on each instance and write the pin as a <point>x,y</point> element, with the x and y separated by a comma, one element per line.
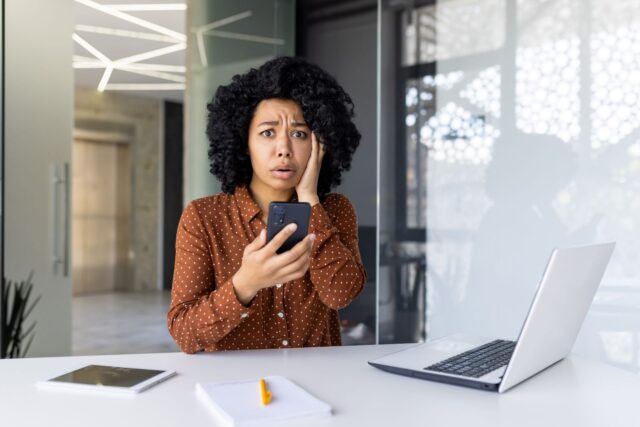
<point>102,41</point>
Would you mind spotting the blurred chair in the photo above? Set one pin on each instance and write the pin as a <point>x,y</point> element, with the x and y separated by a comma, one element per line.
<point>359,318</point>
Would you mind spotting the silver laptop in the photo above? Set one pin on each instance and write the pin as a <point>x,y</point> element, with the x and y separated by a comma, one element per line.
<point>561,302</point>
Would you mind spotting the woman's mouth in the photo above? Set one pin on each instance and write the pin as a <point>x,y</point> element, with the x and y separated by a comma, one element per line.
<point>283,173</point>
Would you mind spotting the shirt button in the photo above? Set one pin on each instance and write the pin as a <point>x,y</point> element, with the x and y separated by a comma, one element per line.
<point>278,285</point>
<point>281,314</point>
<point>285,342</point>
<point>243,315</point>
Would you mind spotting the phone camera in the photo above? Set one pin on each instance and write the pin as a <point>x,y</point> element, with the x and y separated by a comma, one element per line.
<point>279,215</point>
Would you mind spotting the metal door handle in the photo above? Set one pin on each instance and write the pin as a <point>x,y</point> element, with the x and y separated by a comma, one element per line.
<point>60,255</point>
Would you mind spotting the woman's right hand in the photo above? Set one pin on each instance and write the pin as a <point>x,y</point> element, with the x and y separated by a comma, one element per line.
<point>262,267</point>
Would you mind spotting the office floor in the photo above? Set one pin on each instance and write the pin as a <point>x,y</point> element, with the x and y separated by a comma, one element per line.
<point>121,323</point>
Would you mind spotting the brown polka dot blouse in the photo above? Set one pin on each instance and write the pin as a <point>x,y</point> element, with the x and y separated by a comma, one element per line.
<point>205,314</point>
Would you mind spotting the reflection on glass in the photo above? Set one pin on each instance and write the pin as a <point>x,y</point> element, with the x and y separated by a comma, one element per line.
<point>548,88</point>
<point>450,29</point>
<point>615,86</point>
<point>518,134</point>
<point>483,91</point>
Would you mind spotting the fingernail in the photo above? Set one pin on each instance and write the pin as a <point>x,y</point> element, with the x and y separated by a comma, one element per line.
<point>292,226</point>
<point>312,237</point>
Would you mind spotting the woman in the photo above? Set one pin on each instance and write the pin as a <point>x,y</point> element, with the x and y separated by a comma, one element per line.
<point>282,132</point>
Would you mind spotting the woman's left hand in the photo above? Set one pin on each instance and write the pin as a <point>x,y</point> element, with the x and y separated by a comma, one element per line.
<point>307,188</point>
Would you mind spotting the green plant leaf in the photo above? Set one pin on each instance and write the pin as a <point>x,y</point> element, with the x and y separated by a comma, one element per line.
<point>26,349</point>
<point>16,308</point>
<point>32,306</point>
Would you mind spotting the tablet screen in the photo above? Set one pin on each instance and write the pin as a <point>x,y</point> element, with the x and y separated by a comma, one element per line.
<point>107,376</point>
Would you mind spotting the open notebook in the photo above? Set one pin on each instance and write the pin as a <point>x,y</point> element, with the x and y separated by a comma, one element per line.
<point>237,403</point>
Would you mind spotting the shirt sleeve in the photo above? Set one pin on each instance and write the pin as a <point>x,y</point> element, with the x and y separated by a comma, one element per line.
<point>201,312</point>
<point>336,269</point>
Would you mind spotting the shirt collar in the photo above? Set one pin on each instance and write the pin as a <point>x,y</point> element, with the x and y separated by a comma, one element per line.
<point>248,207</point>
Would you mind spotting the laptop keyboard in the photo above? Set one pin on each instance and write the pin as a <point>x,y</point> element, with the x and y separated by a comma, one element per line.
<point>478,361</point>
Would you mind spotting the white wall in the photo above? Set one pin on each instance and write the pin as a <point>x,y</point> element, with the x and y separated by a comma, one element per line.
<point>38,121</point>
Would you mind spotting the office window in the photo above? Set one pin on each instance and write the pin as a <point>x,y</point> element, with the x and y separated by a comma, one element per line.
<point>512,128</point>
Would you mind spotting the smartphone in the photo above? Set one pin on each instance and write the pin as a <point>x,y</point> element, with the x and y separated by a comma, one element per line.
<point>281,214</point>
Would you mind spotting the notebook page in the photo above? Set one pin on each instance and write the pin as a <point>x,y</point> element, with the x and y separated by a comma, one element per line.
<point>238,402</point>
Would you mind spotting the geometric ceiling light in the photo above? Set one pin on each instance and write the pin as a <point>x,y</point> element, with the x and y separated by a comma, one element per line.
<point>108,64</point>
<point>110,10</point>
<point>210,30</point>
<point>124,33</point>
<point>149,7</point>
<point>210,26</point>
<point>86,62</point>
<point>133,63</point>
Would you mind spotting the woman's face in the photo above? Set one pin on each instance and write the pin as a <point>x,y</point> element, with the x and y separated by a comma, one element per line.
<point>279,144</point>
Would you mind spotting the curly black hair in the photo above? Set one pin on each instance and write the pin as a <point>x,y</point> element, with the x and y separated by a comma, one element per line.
<point>327,110</point>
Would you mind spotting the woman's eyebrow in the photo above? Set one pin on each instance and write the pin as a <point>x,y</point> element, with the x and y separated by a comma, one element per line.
<point>275,123</point>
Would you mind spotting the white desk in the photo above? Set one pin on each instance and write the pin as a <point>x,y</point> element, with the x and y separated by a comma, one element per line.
<point>572,393</point>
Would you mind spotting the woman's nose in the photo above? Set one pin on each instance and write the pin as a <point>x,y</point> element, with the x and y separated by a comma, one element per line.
<point>284,147</point>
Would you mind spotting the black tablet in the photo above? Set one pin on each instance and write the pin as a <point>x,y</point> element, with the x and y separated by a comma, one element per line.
<point>108,378</point>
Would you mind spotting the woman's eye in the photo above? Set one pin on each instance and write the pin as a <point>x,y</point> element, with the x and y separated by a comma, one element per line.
<point>267,133</point>
<point>299,134</point>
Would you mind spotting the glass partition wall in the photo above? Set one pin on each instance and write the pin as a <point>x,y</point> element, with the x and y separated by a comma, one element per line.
<point>507,128</point>
<point>225,38</point>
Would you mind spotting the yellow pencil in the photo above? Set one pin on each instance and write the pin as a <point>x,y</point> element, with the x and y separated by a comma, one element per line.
<point>265,394</point>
